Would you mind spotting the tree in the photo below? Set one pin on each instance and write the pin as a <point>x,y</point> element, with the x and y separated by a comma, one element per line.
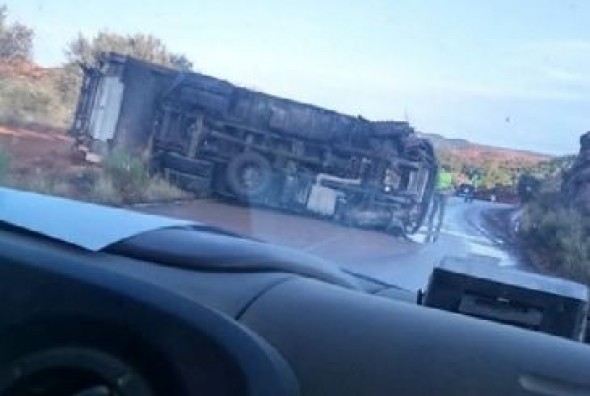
<point>495,175</point>
<point>84,51</point>
<point>181,62</point>
<point>450,160</point>
<point>16,40</point>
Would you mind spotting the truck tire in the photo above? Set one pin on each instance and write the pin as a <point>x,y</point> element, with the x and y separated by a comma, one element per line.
<point>249,175</point>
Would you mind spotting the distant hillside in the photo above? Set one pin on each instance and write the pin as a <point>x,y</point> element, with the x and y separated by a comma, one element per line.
<point>476,154</point>
<point>492,166</point>
<point>441,142</point>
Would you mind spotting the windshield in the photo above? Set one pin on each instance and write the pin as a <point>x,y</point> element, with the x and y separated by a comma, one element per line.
<point>282,198</point>
<point>381,136</point>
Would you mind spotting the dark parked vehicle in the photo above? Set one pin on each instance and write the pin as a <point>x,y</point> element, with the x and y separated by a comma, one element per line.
<point>466,191</point>
<point>101,301</point>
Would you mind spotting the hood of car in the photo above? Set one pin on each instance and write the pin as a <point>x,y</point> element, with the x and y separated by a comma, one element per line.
<point>155,239</point>
<point>89,226</point>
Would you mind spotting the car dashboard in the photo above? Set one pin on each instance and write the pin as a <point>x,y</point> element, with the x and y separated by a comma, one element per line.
<point>185,309</point>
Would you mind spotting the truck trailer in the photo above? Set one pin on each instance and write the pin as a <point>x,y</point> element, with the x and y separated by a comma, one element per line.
<point>212,137</point>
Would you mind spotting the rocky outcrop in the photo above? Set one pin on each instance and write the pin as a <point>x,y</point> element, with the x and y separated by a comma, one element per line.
<point>576,181</point>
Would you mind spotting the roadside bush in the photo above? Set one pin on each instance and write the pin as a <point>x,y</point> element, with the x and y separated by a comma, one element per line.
<point>122,180</point>
<point>558,238</point>
<point>40,182</point>
<point>160,189</point>
<point>24,102</point>
<point>4,165</point>
<point>84,180</point>
<point>104,192</point>
<point>130,176</point>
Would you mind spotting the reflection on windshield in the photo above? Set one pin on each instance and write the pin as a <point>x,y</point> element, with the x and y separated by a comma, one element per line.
<point>351,137</point>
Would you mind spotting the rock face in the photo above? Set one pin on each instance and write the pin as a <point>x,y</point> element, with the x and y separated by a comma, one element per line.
<point>576,181</point>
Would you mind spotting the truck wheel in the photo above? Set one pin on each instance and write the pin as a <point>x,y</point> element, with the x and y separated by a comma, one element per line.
<point>249,175</point>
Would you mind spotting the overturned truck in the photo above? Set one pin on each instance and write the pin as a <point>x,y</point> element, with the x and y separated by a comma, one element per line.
<point>210,136</point>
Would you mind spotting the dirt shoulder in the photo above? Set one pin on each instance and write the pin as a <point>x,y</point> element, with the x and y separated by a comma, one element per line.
<point>42,161</point>
<point>503,223</point>
<point>500,221</point>
<point>30,150</point>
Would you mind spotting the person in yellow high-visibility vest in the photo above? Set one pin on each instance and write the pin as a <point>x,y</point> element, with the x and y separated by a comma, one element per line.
<point>444,189</point>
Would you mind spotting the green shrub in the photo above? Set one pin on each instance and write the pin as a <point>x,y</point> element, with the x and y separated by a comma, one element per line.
<point>104,192</point>
<point>122,180</point>
<point>42,183</point>
<point>129,174</point>
<point>84,180</point>
<point>160,189</point>
<point>129,177</point>
<point>4,165</point>
<point>24,102</point>
<point>558,238</point>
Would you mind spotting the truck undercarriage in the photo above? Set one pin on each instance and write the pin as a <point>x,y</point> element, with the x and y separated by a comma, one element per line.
<point>209,136</point>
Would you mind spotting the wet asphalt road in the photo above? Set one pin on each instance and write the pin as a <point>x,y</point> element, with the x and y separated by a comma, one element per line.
<point>395,260</point>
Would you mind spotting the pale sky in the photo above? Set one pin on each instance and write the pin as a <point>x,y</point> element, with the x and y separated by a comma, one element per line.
<point>502,72</point>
